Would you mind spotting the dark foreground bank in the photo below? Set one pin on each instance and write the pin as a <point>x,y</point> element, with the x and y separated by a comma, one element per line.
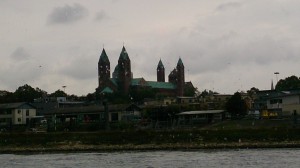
<point>149,140</point>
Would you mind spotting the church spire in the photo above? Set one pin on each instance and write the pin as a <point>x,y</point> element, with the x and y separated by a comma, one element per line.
<point>160,64</point>
<point>272,85</point>
<point>124,71</point>
<point>179,63</point>
<point>180,78</point>
<point>160,72</point>
<point>103,69</point>
<point>103,57</point>
<point>124,54</point>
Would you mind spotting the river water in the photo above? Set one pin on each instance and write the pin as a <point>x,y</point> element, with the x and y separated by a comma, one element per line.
<point>275,158</point>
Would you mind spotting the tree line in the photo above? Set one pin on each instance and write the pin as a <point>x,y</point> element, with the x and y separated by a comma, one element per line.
<point>235,105</point>
<point>26,93</point>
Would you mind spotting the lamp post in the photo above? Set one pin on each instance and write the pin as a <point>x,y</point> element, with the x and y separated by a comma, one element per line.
<point>276,73</point>
<point>64,87</point>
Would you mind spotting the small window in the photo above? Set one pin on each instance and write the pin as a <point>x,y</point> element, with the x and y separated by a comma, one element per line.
<point>19,111</point>
<point>27,112</point>
<point>19,119</point>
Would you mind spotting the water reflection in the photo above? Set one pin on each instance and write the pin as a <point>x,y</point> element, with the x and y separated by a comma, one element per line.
<point>165,159</point>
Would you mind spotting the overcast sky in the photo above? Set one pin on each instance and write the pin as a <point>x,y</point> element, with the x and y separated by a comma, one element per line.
<point>225,45</point>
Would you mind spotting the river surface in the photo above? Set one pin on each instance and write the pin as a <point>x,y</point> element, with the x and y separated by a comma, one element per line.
<point>275,158</point>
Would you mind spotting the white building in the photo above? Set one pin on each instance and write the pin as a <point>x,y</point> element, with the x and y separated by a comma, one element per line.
<point>286,103</point>
<point>16,113</point>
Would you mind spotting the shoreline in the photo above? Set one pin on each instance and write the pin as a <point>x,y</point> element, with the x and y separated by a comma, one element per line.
<point>111,141</point>
<point>145,147</point>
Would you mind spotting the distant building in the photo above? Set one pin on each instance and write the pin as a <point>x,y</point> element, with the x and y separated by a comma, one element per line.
<point>272,103</point>
<point>122,78</point>
<point>16,113</point>
<point>216,101</point>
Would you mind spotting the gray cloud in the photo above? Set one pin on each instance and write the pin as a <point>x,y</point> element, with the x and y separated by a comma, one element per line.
<point>67,14</point>
<point>224,45</point>
<point>100,16</point>
<point>230,5</point>
<point>20,54</point>
<point>81,68</point>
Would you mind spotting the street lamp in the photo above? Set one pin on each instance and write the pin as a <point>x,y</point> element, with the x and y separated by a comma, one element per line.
<point>64,87</point>
<point>276,73</point>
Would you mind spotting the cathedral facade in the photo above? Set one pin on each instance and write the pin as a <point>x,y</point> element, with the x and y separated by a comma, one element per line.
<point>122,78</point>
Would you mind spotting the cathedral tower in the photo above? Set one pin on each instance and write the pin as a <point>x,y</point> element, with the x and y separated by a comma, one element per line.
<point>124,71</point>
<point>160,72</point>
<point>180,78</point>
<point>103,69</point>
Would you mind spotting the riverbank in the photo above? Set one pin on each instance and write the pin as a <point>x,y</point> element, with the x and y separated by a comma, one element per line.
<point>148,140</point>
<point>146,147</point>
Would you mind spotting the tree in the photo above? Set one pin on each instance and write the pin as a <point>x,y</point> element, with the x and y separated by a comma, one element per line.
<point>252,92</point>
<point>138,95</point>
<point>236,106</point>
<point>289,83</point>
<point>190,90</point>
<point>91,97</point>
<point>27,93</point>
<point>58,93</point>
<point>6,96</point>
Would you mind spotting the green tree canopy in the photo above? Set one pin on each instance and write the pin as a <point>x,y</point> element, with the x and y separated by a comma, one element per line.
<point>27,93</point>
<point>58,93</point>
<point>289,83</point>
<point>236,106</point>
<point>252,92</point>
<point>6,96</point>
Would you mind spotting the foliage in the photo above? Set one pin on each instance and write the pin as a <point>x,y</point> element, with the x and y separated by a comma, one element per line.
<point>138,95</point>
<point>206,93</point>
<point>91,97</point>
<point>172,138</point>
<point>172,110</point>
<point>236,106</point>
<point>190,91</point>
<point>58,93</point>
<point>27,94</point>
<point>252,92</point>
<point>289,83</point>
<point>6,97</point>
<point>116,98</point>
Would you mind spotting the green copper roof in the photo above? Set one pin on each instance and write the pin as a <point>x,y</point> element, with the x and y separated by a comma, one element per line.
<point>179,62</point>
<point>154,85</point>
<point>103,56</point>
<point>160,65</point>
<point>107,90</point>
<point>123,54</point>
<point>136,81</point>
<point>161,85</point>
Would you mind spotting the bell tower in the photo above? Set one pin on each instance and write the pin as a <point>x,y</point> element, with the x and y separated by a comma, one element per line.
<point>103,70</point>
<point>160,72</point>
<point>124,71</point>
<point>180,78</point>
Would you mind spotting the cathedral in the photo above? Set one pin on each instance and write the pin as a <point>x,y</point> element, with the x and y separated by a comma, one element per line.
<point>122,78</point>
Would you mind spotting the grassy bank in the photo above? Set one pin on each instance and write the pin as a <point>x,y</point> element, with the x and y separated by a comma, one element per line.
<point>149,140</point>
